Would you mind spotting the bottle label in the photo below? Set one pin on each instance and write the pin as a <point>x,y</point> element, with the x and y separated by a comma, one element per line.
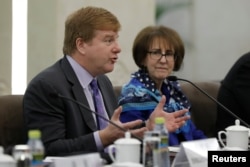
<point>37,159</point>
<point>164,144</point>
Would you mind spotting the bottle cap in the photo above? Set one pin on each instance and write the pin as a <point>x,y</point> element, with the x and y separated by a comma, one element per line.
<point>34,134</point>
<point>159,120</point>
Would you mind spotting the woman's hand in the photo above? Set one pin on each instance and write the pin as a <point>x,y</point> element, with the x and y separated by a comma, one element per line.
<point>173,120</point>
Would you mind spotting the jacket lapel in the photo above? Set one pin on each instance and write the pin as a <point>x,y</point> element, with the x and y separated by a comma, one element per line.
<point>85,111</point>
<point>79,95</point>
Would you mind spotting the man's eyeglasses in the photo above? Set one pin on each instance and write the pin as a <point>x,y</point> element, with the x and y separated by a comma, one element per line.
<point>157,55</point>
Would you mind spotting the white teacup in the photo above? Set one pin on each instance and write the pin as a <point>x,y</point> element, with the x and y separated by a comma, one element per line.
<point>6,160</point>
<point>126,150</point>
<point>236,137</point>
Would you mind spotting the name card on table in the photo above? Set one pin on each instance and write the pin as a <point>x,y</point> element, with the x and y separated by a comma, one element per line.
<point>195,153</point>
<point>85,160</point>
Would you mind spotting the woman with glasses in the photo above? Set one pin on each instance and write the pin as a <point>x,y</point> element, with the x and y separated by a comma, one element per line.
<point>157,51</point>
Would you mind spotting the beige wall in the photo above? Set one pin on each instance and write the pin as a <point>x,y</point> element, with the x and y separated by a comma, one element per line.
<point>5,46</point>
<point>46,30</point>
<point>215,32</point>
<point>42,35</point>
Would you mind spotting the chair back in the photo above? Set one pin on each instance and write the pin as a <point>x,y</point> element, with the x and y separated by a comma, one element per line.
<point>11,121</point>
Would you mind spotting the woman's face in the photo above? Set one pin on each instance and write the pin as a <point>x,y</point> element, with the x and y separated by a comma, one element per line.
<point>160,60</point>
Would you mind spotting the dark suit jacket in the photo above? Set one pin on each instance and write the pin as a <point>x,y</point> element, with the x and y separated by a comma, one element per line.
<point>67,128</point>
<point>234,93</point>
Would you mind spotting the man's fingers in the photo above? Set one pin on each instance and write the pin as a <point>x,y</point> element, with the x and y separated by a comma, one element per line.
<point>117,113</point>
<point>132,124</point>
<point>138,133</point>
<point>139,130</point>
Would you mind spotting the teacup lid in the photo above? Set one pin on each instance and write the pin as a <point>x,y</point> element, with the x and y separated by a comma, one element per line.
<point>237,127</point>
<point>4,158</point>
<point>127,140</point>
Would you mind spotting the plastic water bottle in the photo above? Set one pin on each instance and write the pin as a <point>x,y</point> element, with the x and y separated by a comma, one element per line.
<point>151,143</point>
<point>163,152</point>
<point>36,147</point>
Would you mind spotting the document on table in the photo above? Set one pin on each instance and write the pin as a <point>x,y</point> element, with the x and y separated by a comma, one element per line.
<point>195,153</point>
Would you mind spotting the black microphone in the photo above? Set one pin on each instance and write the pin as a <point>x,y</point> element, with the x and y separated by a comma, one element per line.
<point>174,78</point>
<point>57,95</point>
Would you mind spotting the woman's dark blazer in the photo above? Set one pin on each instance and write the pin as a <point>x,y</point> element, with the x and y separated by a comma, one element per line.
<point>67,128</point>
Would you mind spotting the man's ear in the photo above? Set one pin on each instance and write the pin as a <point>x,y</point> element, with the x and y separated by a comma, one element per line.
<point>80,45</point>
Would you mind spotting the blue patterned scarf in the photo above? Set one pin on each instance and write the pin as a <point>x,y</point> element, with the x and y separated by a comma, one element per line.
<point>140,94</point>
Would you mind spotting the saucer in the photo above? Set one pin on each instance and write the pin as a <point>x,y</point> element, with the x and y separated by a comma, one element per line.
<point>126,164</point>
<point>233,149</point>
<point>175,149</point>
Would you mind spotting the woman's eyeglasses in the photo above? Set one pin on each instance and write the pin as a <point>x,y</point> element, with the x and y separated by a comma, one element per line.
<point>157,55</point>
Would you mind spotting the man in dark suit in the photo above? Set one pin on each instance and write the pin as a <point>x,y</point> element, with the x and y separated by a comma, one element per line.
<point>90,51</point>
<point>234,94</point>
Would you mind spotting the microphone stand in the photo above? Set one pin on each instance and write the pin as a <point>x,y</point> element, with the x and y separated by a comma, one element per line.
<point>216,101</point>
<point>88,109</point>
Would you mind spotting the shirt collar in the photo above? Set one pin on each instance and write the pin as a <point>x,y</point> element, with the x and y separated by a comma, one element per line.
<point>83,75</point>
